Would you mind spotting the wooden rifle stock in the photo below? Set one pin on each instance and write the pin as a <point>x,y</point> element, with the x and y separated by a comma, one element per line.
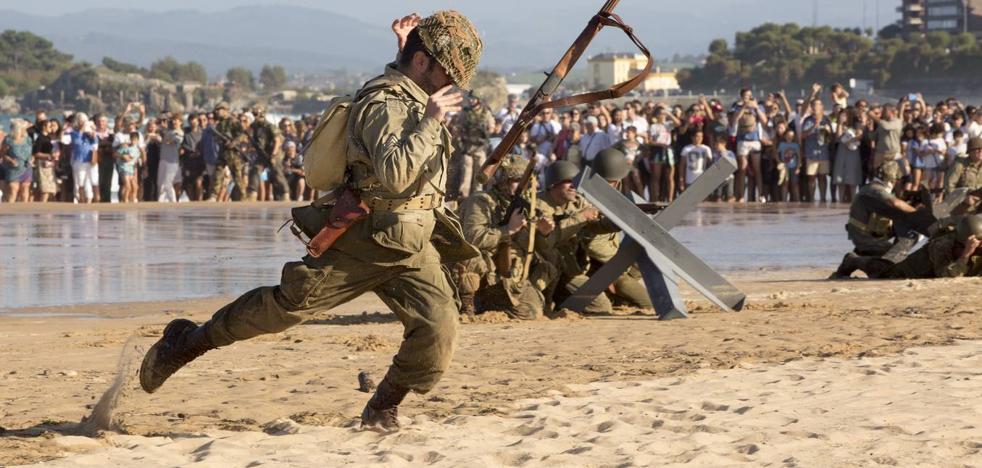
<point>542,98</point>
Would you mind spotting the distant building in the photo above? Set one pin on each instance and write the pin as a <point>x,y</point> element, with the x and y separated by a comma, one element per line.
<point>952,16</point>
<point>609,69</point>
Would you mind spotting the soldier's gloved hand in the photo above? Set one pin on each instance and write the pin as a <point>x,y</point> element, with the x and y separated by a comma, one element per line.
<point>442,103</point>
<point>545,226</point>
<point>516,222</point>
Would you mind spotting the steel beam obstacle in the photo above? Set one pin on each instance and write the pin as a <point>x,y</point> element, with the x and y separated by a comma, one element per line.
<point>662,259</point>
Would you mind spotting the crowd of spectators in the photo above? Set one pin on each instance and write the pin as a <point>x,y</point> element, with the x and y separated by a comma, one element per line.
<point>817,149</point>
<point>167,158</point>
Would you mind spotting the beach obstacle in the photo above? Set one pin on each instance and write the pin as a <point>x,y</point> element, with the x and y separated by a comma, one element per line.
<point>662,259</point>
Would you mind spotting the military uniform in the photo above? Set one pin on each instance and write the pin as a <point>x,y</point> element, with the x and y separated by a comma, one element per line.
<point>869,229</point>
<point>471,131</point>
<point>564,248</point>
<point>230,156</point>
<point>627,289</point>
<point>265,135</point>
<point>938,259</point>
<point>964,174</point>
<point>482,216</point>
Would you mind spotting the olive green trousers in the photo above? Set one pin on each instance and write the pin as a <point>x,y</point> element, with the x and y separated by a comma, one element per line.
<point>422,299</point>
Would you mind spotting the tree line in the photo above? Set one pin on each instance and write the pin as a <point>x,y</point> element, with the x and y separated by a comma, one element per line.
<point>28,62</point>
<point>779,56</point>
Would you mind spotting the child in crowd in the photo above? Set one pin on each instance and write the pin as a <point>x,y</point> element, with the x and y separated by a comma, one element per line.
<point>958,148</point>
<point>789,160</point>
<point>696,158</point>
<point>127,155</point>
<point>915,155</point>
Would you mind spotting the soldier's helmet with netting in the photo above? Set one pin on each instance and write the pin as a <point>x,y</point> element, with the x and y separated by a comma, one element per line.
<point>889,173</point>
<point>453,41</point>
<point>512,167</point>
<point>560,171</point>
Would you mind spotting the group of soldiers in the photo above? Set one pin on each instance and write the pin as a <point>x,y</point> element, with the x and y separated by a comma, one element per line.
<point>523,262</point>
<point>884,226</point>
<point>533,259</point>
<point>246,150</point>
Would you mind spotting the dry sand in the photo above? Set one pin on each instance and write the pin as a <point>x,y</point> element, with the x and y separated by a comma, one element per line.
<point>813,373</point>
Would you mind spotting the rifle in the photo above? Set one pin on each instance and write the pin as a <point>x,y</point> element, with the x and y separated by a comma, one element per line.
<point>541,100</point>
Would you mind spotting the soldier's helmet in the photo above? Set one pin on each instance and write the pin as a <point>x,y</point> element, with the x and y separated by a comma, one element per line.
<point>453,41</point>
<point>969,226</point>
<point>512,167</point>
<point>560,171</point>
<point>974,144</point>
<point>611,164</point>
<point>889,173</point>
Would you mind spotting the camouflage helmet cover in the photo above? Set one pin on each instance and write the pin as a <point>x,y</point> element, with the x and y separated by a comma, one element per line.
<point>969,226</point>
<point>974,144</point>
<point>512,167</point>
<point>453,40</point>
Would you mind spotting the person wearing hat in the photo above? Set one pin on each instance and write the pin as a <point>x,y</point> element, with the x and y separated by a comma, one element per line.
<point>967,172</point>
<point>482,286</point>
<point>575,220</point>
<point>600,247</point>
<point>228,132</point>
<point>268,141</point>
<point>398,149</point>
<point>952,255</point>
<point>873,218</point>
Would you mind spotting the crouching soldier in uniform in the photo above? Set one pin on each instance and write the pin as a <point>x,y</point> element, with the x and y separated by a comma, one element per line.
<point>482,284</point>
<point>613,166</point>
<point>873,221</point>
<point>575,219</point>
<point>397,159</point>
<point>952,255</point>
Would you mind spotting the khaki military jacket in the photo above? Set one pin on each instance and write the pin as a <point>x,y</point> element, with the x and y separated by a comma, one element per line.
<point>236,133</point>
<point>964,174</point>
<point>265,135</point>
<point>397,154</point>
<point>562,246</point>
<point>944,252</point>
<point>481,215</point>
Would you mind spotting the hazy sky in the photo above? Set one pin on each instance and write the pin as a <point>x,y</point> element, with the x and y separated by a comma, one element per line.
<point>835,12</point>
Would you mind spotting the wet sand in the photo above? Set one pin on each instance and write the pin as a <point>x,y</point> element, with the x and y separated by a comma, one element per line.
<point>811,373</point>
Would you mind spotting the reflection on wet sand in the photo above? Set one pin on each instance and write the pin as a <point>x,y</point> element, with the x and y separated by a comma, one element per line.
<point>105,256</point>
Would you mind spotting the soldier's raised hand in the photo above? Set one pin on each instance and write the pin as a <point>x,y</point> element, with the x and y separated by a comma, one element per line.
<point>443,102</point>
<point>971,245</point>
<point>403,26</point>
<point>545,226</point>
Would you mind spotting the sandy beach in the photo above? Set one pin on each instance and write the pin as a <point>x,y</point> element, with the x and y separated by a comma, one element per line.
<point>812,373</point>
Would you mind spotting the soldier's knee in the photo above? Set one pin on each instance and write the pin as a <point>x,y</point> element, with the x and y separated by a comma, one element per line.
<point>298,286</point>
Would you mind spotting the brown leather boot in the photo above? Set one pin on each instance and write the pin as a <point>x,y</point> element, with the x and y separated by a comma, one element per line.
<point>382,411</point>
<point>467,305</point>
<point>182,342</point>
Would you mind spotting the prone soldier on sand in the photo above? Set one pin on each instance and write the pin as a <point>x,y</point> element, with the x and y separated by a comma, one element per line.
<point>397,155</point>
<point>951,255</point>
<point>497,280</point>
